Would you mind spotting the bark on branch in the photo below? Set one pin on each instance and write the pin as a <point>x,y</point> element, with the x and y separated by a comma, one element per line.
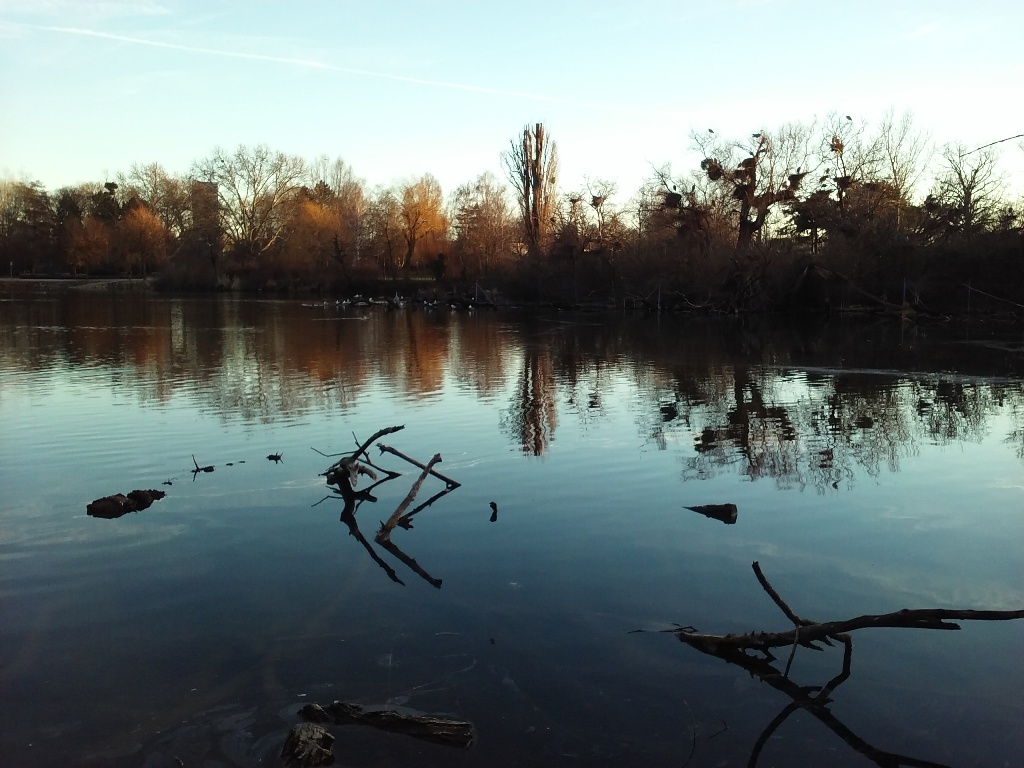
<point>385,529</point>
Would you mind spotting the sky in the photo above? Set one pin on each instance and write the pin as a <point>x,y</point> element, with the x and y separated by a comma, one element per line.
<point>398,89</point>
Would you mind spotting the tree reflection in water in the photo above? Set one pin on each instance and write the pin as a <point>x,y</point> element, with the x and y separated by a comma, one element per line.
<point>804,406</point>
<point>532,416</point>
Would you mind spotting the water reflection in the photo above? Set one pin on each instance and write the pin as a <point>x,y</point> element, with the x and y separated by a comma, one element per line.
<point>531,417</point>
<point>799,410</point>
<point>815,700</point>
<point>211,587</point>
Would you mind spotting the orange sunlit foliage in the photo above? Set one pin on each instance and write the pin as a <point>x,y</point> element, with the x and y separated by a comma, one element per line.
<point>312,238</point>
<point>142,240</point>
<point>422,221</point>
<point>88,244</point>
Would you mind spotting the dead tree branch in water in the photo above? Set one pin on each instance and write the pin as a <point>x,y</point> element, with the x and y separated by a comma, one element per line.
<point>752,652</point>
<point>435,728</point>
<point>384,534</point>
<point>344,474</point>
<point>452,484</point>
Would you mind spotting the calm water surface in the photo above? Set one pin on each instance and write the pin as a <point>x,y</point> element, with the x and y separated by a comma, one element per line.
<point>874,467</point>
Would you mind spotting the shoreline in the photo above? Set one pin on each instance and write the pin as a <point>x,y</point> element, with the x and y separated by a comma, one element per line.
<point>84,283</point>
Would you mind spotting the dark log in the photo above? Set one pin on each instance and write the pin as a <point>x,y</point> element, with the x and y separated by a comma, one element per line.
<point>111,507</point>
<point>433,728</point>
<point>724,512</point>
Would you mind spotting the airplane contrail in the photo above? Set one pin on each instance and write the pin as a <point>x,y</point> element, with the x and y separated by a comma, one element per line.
<point>311,64</point>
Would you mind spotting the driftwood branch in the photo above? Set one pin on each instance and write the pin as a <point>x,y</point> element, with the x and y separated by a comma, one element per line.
<point>806,633</point>
<point>361,450</point>
<point>753,652</point>
<point>452,484</point>
<point>385,530</point>
<point>405,521</point>
<point>776,598</point>
<point>344,474</point>
<point>349,468</point>
<point>440,730</point>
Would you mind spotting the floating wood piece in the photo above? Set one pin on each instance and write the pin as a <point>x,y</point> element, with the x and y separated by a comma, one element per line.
<point>434,728</point>
<point>111,507</point>
<point>199,469</point>
<point>405,521</point>
<point>724,512</point>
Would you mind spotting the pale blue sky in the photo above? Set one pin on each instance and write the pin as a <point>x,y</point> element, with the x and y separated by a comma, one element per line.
<point>397,88</point>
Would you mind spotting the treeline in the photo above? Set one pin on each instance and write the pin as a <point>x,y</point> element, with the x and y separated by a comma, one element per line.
<point>816,216</point>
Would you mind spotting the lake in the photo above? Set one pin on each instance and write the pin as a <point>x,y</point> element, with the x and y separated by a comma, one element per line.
<point>874,465</point>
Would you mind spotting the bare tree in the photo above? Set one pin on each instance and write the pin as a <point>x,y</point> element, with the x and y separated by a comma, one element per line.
<point>851,155</point>
<point>770,172</point>
<point>905,152</point>
<point>532,166</point>
<point>384,220</point>
<point>600,193</point>
<point>967,194</point>
<point>257,190</point>
<point>482,222</point>
<point>166,195</point>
